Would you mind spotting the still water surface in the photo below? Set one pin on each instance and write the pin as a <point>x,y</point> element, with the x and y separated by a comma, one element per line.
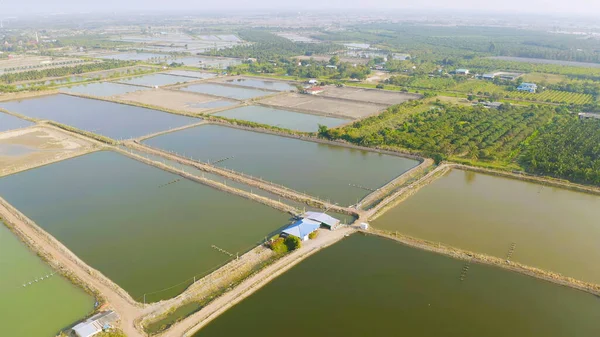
<point>43,308</point>
<point>368,286</point>
<point>327,171</point>
<point>262,84</point>
<point>10,122</point>
<point>113,120</point>
<point>144,228</point>
<point>553,229</point>
<point>282,118</point>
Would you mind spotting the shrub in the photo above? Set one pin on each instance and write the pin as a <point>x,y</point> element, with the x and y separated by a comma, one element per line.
<point>292,243</point>
<point>313,235</point>
<point>279,246</point>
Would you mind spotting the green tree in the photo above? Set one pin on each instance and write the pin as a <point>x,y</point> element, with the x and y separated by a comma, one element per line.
<point>293,242</point>
<point>334,60</point>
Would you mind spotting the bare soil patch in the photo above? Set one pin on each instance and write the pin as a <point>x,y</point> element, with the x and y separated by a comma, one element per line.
<point>35,146</point>
<point>369,95</point>
<point>326,58</point>
<point>324,105</point>
<point>175,100</point>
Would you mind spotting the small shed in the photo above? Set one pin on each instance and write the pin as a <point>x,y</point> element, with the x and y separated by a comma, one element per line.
<point>588,115</point>
<point>364,226</point>
<point>301,228</point>
<point>462,71</point>
<point>313,81</point>
<point>322,218</point>
<point>95,324</point>
<point>315,90</point>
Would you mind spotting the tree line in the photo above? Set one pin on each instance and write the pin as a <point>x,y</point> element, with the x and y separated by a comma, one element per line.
<point>63,71</point>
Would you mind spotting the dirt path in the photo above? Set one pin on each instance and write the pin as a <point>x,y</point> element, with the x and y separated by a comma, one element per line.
<point>59,258</point>
<point>240,177</point>
<point>195,322</point>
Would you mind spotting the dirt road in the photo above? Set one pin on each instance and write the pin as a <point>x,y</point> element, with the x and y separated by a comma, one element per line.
<point>195,322</point>
<point>59,257</point>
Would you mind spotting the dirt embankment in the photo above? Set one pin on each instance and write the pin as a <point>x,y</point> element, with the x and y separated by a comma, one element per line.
<point>250,181</point>
<point>195,322</point>
<point>74,268</point>
<point>43,146</point>
<point>466,255</point>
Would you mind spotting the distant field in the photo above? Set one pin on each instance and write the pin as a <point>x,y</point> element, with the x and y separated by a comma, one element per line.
<point>552,96</point>
<point>368,95</point>
<point>543,77</point>
<point>324,105</point>
<point>27,63</point>
<point>544,61</point>
<point>325,58</point>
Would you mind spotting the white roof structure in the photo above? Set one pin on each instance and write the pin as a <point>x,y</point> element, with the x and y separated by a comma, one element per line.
<point>95,324</point>
<point>87,329</point>
<point>322,218</point>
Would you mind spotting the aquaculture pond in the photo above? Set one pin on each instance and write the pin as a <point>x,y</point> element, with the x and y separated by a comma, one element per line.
<point>135,56</point>
<point>103,89</point>
<point>282,118</point>
<point>226,91</point>
<point>195,74</point>
<point>157,80</point>
<point>44,307</point>
<point>261,84</point>
<point>206,62</point>
<point>333,172</point>
<point>113,120</point>
<point>551,228</point>
<point>144,228</point>
<point>368,286</point>
<point>10,122</point>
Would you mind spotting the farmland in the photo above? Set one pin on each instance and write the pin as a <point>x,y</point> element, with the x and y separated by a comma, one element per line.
<point>449,131</point>
<point>486,88</point>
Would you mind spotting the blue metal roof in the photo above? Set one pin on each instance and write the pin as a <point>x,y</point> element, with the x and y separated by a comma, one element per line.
<point>302,228</point>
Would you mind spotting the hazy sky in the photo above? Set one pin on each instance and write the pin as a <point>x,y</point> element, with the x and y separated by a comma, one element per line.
<point>587,7</point>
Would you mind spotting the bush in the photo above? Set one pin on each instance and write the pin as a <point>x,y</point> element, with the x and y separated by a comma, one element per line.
<point>278,246</point>
<point>313,235</point>
<point>379,86</point>
<point>292,243</point>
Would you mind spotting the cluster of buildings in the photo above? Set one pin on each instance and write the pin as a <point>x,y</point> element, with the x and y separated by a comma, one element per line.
<point>508,76</point>
<point>308,223</point>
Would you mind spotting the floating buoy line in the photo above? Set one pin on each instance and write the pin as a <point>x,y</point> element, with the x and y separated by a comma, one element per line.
<point>39,279</point>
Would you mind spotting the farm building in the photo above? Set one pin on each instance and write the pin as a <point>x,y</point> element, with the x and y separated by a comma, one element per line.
<point>509,76</point>
<point>528,87</point>
<point>400,57</point>
<point>95,324</point>
<point>301,229</point>
<point>314,90</point>
<point>324,219</point>
<point>462,71</point>
<point>588,115</point>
